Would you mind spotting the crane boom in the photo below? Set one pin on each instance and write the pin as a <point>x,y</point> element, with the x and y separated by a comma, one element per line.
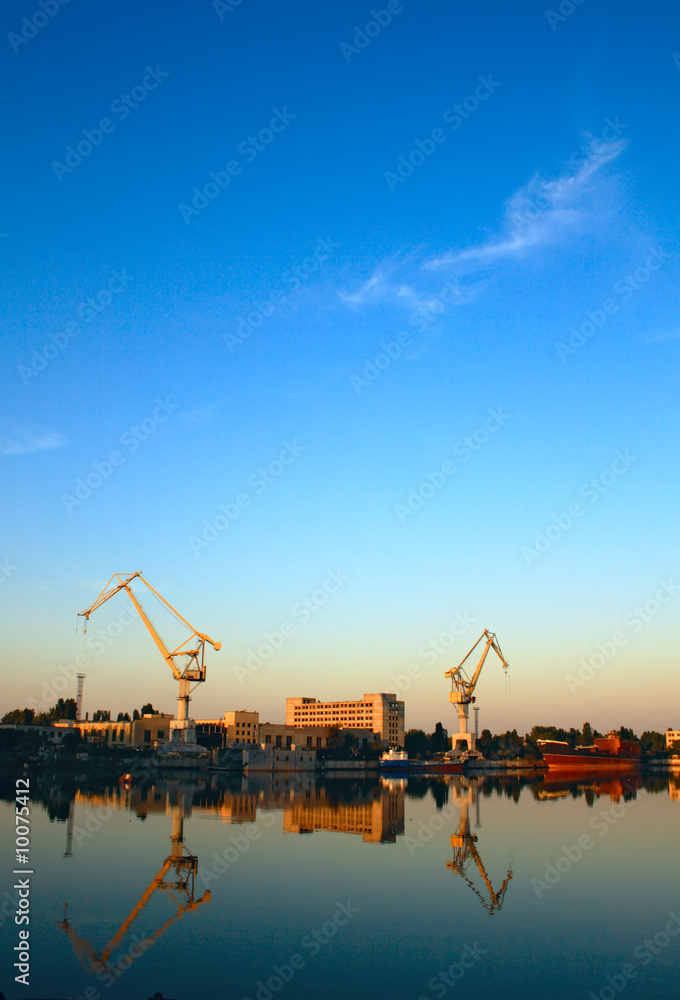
<point>462,688</point>
<point>456,673</point>
<point>194,669</point>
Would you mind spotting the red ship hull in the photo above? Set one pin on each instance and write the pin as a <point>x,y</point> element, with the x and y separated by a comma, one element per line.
<point>610,753</point>
<point>577,764</point>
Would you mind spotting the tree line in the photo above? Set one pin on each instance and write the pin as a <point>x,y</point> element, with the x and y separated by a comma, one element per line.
<point>510,744</point>
<point>66,710</point>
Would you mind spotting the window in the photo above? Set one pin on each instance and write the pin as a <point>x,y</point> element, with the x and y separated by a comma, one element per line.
<point>147,736</point>
<point>318,741</point>
<point>160,734</point>
<point>278,742</point>
<point>268,738</point>
<point>309,741</point>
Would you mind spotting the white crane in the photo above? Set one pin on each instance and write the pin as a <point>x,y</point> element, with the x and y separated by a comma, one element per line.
<point>184,729</point>
<point>461,696</point>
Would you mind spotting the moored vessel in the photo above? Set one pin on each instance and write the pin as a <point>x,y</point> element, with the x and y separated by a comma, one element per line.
<point>394,759</point>
<point>607,753</point>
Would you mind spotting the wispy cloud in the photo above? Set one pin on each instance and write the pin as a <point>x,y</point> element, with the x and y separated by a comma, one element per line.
<point>23,440</point>
<point>540,213</point>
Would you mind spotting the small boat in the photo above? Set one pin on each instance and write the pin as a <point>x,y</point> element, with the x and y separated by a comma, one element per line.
<point>395,759</point>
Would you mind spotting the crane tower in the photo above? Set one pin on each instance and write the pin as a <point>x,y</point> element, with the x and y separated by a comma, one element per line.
<point>461,695</point>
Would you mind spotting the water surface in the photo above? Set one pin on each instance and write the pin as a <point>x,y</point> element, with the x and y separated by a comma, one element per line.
<point>215,885</point>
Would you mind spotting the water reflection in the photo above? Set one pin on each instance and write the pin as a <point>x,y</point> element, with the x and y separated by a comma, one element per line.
<point>380,811</point>
<point>557,785</point>
<point>466,796</point>
<point>176,879</point>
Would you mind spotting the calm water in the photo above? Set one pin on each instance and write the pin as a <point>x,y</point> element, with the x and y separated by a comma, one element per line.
<point>208,885</point>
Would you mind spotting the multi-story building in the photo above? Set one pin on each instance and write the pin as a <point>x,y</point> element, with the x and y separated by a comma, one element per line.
<point>242,727</point>
<point>672,736</point>
<point>309,737</point>
<point>245,727</point>
<point>381,713</point>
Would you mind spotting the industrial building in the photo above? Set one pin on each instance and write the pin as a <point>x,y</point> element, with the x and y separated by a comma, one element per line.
<point>381,713</point>
<point>142,732</point>
<point>244,727</point>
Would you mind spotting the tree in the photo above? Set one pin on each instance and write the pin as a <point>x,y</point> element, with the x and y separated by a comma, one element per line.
<point>19,717</point>
<point>148,709</point>
<point>62,710</point>
<point>102,715</point>
<point>334,740</point>
<point>123,717</point>
<point>653,742</point>
<point>439,739</point>
<point>136,715</point>
<point>586,735</point>
<point>416,743</point>
<point>626,734</point>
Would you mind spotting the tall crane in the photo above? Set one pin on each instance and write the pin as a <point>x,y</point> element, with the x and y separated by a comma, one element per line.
<point>190,667</point>
<point>461,695</point>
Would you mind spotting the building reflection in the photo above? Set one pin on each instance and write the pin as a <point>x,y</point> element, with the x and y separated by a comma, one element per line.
<point>376,813</point>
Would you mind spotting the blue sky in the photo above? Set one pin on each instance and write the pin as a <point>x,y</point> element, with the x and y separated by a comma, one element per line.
<point>429,292</point>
